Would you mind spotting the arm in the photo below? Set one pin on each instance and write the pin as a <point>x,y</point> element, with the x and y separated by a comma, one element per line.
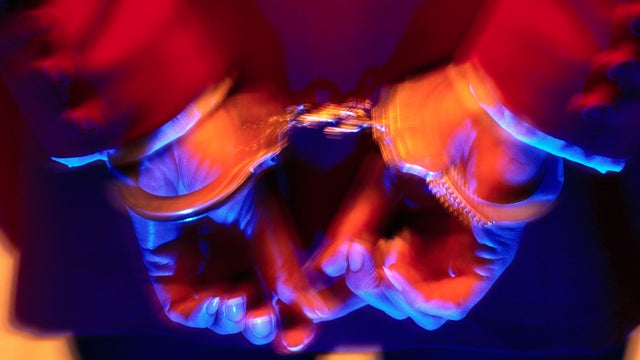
<point>567,69</point>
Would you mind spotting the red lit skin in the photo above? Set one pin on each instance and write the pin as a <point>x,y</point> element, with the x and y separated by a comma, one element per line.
<point>133,69</point>
<point>495,166</point>
<point>432,268</point>
<point>122,69</point>
<point>547,86</point>
<point>137,68</point>
<point>224,276</point>
<point>410,274</point>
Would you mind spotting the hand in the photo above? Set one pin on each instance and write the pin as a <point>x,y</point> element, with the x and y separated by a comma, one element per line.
<point>433,124</point>
<point>404,254</point>
<point>356,228</point>
<point>86,79</point>
<point>438,267</point>
<point>430,130</point>
<point>223,270</point>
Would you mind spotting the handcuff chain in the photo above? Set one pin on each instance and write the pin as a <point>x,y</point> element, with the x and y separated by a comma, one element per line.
<point>335,120</point>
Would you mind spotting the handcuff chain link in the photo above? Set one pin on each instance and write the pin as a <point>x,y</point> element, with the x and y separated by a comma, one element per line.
<point>335,120</point>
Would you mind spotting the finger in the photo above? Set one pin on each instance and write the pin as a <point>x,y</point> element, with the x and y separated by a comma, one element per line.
<point>364,280</point>
<point>296,330</point>
<point>338,299</point>
<point>499,236</point>
<point>185,278</point>
<point>362,217</point>
<point>159,264</point>
<point>429,302</point>
<point>302,288</point>
<point>450,298</point>
<point>261,318</point>
<point>498,245</point>
<point>403,298</point>
<point>196,313</point>
<point>181,260</point>
<point>185,306</point>
<point>275,243</point>
<point>333,259</point>
<point>230,317</point>
<point>261,325</point>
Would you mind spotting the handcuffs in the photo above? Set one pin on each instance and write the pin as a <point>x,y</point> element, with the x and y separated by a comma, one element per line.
<point>267,139</point>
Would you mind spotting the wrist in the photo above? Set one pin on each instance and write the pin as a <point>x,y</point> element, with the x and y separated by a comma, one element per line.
<point>482,93</point>
<point>165,134</point>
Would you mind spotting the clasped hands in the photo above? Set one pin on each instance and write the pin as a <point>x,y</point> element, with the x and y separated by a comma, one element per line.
<point>391,244</point>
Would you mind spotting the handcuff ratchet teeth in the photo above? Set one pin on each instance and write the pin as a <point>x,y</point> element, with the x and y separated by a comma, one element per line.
<point>262,142</point>
<point>336,121</point>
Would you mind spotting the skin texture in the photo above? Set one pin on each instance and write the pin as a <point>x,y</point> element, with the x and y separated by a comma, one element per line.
<point>223,271</point>
<point>402,253</point>
<point>254,266</point>
<point>86,76</point>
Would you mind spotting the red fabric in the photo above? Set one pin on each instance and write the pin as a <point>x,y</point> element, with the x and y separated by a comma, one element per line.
<point>542,56</point>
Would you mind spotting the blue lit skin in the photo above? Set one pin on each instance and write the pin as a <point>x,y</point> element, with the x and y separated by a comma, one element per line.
<point>188,263</point>
<point>235,269</point>
<point>432,269</point>
<point>522,131</point>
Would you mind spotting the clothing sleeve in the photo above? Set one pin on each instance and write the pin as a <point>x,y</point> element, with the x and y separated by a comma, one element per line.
<point>566,70</point>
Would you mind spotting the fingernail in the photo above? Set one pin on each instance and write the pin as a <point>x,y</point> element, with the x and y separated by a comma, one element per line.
<point>310,312</point>
<point>322,310</point>
<point>334,268</point>
<point>313,306</point>
<point>234,309</point>
<point>335,264</point>
<point>262,326</point>
<point>356,257</point>
<point>296,339</point>
<point>212,307</point>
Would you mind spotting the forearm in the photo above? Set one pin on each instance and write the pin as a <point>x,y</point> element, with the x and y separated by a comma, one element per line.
<point>89,78</point>
<point>558,67</point>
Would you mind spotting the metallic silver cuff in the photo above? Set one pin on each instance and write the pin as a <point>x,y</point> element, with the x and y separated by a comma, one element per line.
<point>271,138</point>
<point>207,102</point>
<point>451,190</point>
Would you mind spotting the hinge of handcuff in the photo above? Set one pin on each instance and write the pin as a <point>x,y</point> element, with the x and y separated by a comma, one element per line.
<point>335,120</point>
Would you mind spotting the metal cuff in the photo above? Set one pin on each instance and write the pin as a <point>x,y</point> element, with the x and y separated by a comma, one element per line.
<point>258,154</point>
<point>451,190</point>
